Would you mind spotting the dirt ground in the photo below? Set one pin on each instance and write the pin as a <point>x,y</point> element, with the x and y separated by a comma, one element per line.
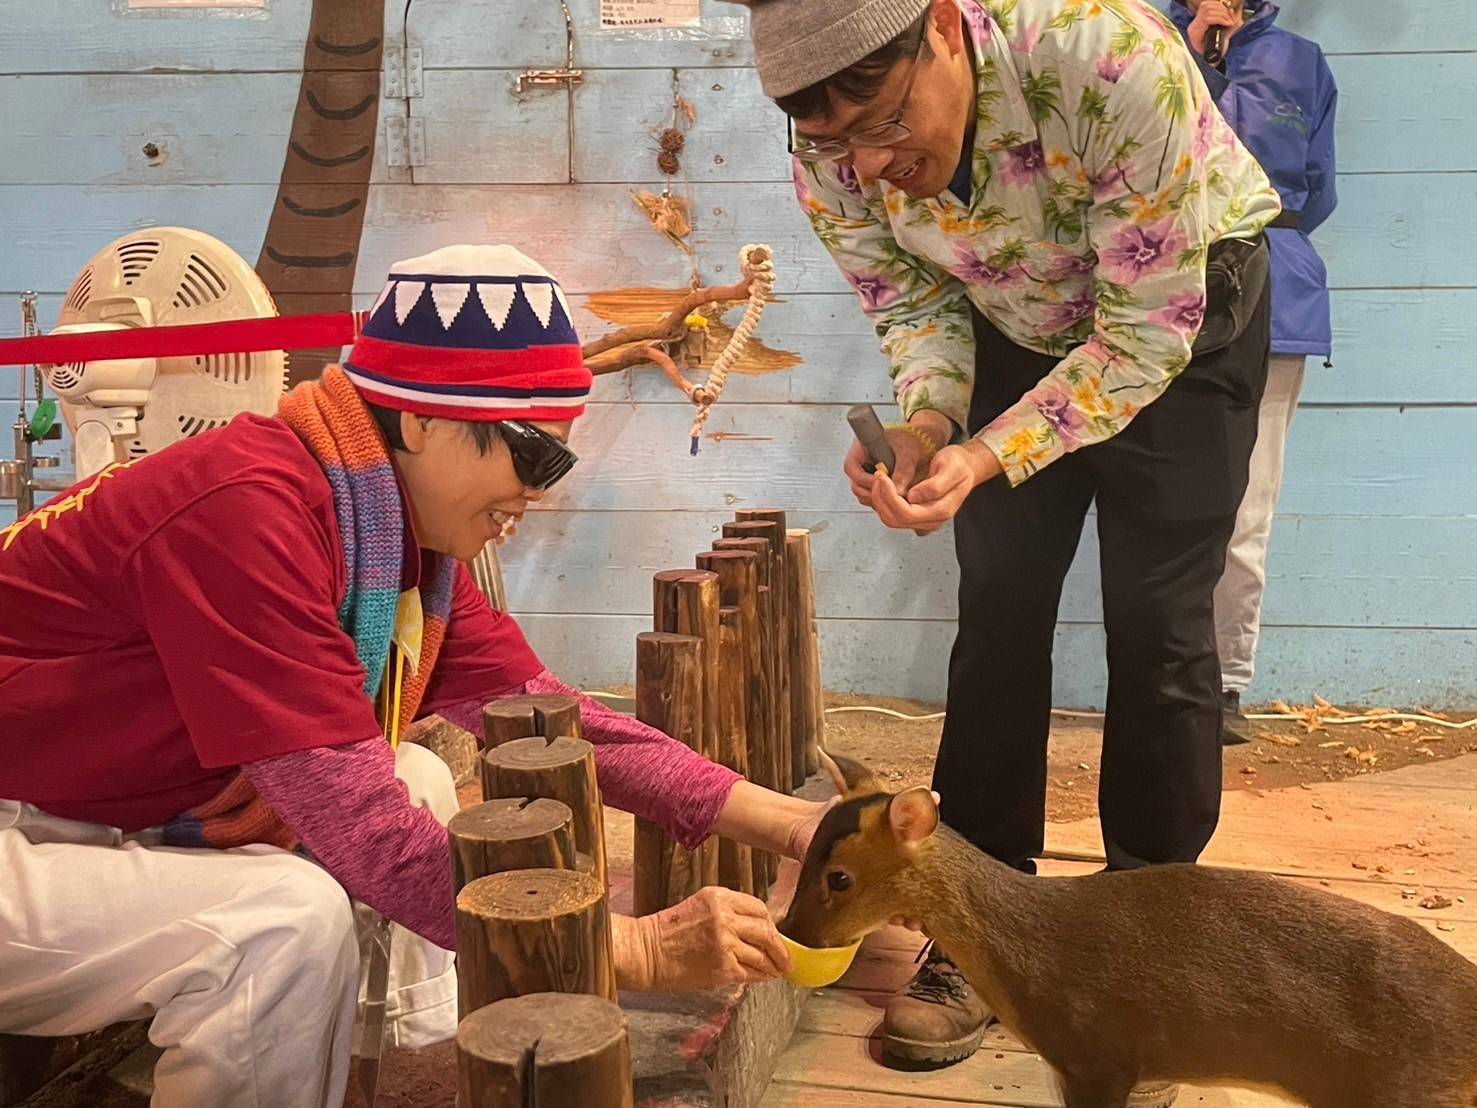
<point>1284,753</point>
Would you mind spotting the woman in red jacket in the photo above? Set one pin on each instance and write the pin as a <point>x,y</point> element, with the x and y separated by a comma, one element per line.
<point>218,641</point>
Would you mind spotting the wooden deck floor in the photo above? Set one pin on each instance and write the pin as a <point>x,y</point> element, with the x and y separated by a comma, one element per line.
<point>1419,823</point>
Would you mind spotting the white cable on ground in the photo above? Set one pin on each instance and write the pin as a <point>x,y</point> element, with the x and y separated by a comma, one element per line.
<point>932,716</point>
<point>886,712</point>
<point>1070,713</point>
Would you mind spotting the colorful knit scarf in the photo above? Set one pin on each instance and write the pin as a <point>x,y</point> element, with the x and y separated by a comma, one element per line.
<point>333,423</point>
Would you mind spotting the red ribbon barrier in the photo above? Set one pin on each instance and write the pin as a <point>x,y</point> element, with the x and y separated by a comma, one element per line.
<point>232,336</point>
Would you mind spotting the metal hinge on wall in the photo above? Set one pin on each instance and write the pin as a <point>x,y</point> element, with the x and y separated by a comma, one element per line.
<point>405,141</point>
<point>404,76</point>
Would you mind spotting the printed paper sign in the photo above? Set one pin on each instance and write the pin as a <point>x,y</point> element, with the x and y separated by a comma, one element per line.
<point>627,15</point>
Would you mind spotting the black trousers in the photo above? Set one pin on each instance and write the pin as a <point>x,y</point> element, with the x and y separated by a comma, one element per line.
<point>1167,489</point>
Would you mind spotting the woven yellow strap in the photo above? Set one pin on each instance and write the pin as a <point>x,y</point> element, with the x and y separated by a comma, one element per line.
<point>930,448</point>
<point>406,641</point>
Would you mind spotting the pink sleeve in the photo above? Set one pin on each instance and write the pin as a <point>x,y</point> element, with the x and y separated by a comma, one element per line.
<point>355,817</point>
<point>641,770</point>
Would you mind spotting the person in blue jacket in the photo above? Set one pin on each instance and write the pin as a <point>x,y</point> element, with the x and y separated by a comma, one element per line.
<point>1276,90</point>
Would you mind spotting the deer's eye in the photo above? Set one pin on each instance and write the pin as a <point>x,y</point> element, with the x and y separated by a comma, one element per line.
<point>839,881</point>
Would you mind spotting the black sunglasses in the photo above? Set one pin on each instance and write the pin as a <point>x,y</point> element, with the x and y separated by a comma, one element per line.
<point>539,459</point>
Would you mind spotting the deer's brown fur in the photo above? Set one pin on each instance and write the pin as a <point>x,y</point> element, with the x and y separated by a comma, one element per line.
<point>1173,973</point>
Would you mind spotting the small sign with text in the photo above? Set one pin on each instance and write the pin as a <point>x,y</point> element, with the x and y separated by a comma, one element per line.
<point>640,15</point>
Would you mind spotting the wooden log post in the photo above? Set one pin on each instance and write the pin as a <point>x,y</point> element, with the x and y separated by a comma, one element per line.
<point>532,931</point>
<point>511,833</point>
<point>521,717</point>
<point>764,740</point>
<point>685,602</point>
<point>777,521</point>
<point>561,769</point>
<point>808,713</point>
<point>545,1049</point>
<point>739,578</point>
<point>738,584</point>
<point>735,860</point>
<point>769,648</point>
<point>669,697</point>
<point>762,733</point>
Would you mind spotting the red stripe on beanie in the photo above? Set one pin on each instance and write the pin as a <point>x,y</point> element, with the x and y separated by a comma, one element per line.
<point>416,406</point>
<point>539,366</point>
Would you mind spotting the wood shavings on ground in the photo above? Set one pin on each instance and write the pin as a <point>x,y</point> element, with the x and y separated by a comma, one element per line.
<point>1283,740</point>
<point>1321,713</point>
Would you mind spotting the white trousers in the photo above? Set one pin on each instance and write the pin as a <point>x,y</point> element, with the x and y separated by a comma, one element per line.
<point>1238,595</point>
<point>247,959</point>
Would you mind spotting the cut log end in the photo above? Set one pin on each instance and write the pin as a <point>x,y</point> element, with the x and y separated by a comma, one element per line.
<point>545,1048</point>
<point>529,895</point>
<point>510,818</point>
<point>519,717</point>
<point>509,834</point>
<point>540,753</point>
<point>562,768</point>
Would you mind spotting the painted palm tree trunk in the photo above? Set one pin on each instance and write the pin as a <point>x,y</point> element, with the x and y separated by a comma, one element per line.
<point>311,247</point>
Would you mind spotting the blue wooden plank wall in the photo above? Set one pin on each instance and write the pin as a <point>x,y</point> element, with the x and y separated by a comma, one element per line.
<point>1373,590</point>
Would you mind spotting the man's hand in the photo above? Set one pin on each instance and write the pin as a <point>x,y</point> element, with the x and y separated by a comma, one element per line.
<point>713,938</point>
<point>1215,13</point>
<point>956,471</point>
<point>908,449</point>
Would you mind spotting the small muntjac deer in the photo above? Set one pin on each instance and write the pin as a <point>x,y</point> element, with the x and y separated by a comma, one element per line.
<point>1167,974</point>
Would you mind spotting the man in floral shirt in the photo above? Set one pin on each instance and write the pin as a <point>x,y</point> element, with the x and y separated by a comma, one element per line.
<point>1026,195</point>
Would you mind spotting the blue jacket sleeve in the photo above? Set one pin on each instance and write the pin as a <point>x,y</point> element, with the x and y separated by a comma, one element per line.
<point>1322,189</point>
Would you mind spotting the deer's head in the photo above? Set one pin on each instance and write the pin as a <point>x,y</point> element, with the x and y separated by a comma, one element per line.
<point>848,883</point>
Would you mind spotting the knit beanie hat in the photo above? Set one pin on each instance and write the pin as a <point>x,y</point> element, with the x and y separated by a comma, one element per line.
<point>800,42</point>
<point>472,333</point>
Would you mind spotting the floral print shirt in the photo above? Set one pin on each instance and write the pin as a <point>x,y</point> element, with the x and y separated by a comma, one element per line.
<point>1102,172</point>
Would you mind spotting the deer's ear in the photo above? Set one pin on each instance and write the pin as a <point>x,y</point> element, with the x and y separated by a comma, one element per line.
<point>849,776</point>
<point>914,815</point>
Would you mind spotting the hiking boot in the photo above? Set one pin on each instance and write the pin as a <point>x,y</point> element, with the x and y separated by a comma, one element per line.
<point>937,1020</point>
<point>1235,728</point>
<point>1158,1095</point>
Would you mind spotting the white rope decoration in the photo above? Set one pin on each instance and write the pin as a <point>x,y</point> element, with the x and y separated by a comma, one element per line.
<point>757,262</point>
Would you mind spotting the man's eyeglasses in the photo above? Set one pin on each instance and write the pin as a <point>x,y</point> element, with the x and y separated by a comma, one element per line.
<point>539,459</point>
<point>889,133</point>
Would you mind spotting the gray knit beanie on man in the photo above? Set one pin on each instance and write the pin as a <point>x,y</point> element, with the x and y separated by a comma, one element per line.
<point>800,42</point>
